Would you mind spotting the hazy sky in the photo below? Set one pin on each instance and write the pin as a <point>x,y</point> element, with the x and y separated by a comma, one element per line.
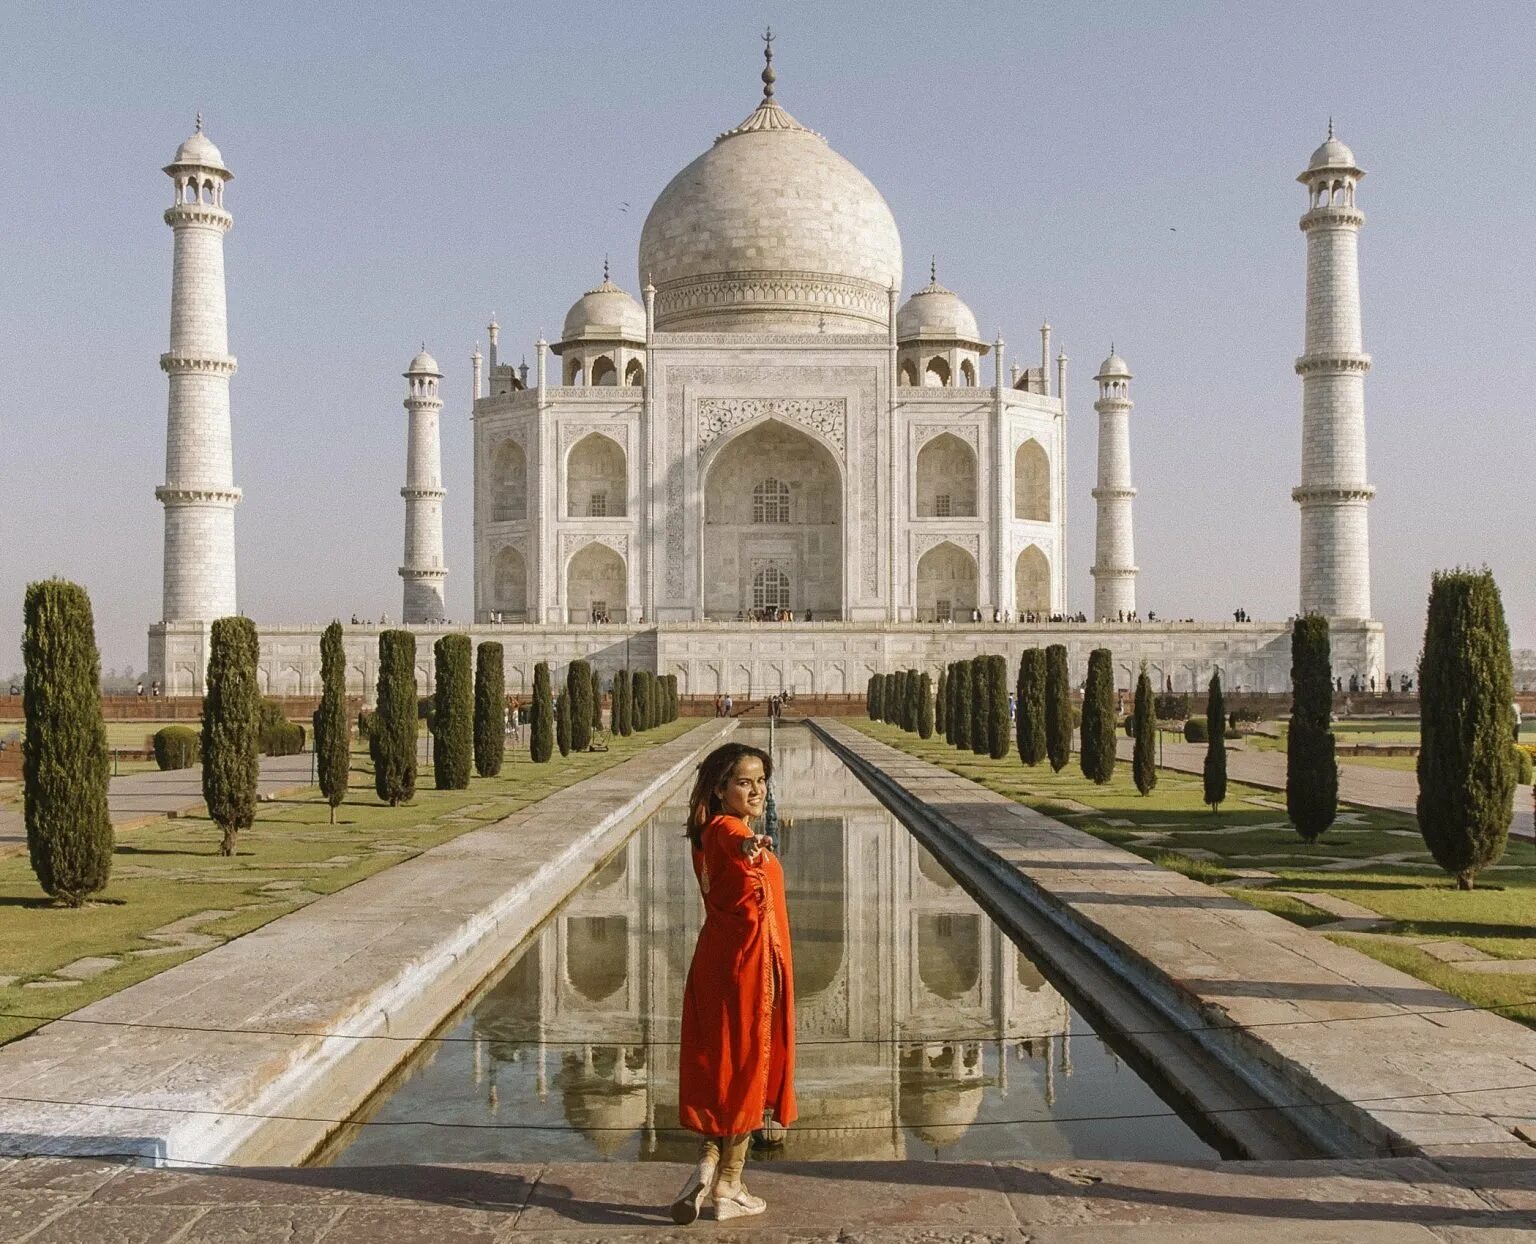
<point>1126,170</point>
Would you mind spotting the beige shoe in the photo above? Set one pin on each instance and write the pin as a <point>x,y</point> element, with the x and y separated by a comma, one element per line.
<point>738,1204</point>
<point>690,1200</point>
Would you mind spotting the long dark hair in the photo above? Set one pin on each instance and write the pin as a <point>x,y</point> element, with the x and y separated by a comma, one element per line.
<point>714,770</point>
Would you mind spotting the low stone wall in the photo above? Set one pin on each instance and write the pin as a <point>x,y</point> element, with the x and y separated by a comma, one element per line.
<point>255,1051</point>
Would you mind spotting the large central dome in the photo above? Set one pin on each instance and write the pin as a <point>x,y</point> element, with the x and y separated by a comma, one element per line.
<point>770,229</point>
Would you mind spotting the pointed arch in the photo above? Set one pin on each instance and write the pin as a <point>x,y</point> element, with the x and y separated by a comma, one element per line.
<point>604,371</point>
<point>1032,483</point>
<point>946,584</point>
<point>509,585</point>
<point>596,478</point>
<point>634,373</point>
<point>946,478</point>
<point>574,371</point>
<point>937,375</point>
<point>597,585</point>
<point>509,483</point>
<point>907,376</point>
<point>967,373</point>
<point>1032,582</point>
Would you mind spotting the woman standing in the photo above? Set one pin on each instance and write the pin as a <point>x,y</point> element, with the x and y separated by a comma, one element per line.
<point>738,1041</point>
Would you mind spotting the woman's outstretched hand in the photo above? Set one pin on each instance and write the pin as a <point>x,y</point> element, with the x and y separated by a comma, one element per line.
<point>751,847</point>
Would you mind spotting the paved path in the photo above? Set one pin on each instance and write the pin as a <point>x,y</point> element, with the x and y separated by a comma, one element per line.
<point>1454,1201</point>
<point>1395,790</point>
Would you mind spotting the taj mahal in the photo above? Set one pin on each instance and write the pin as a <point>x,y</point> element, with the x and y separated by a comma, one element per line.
<point>770,430</point>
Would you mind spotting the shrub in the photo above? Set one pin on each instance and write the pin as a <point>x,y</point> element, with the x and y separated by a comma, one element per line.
<point>1195,730</point>
<point>542,730</point>
<point>998,741</point>
<point>230,711</point>
<point>563,722</point>
<point>980,744</point>
<point>392,742</point>
<point>925,708</point>
<point>1143,723</point>
<point>578,692</point>
<point>1214,771</point>
<point>333,741</point>
<point>426,710</point>
<point>453,714</point>
<point>940,708</point>
<point>1466,762</point>
<point>1098,743</point>
<point>64,752</point>
<point>1172,706</point>
<point>962,705</point>
<point>1523,766</point>
<point>1029,707</point>
<point>286,738</point>
<point>1311,769</point>
<point>490,708</point>
<point>177,747</point>
<point>1058,707</point>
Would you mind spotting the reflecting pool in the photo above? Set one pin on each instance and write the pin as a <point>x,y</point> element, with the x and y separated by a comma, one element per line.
<point>923,1031</point>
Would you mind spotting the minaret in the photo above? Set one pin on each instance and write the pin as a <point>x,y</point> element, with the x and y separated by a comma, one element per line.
<point>423,571</point>
<point>1334,494</point>
<point>1114,562</point>
<point>199,492</point>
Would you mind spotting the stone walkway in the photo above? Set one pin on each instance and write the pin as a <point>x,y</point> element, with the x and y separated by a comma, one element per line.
<point>185,1066</point>
<point>1394,790</point>
<point>1407,1068</point>
<point>1454,1201</point>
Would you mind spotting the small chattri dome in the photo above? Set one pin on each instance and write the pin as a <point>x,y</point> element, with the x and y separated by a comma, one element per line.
<point>606,311</point>
<point>935,312</point>
<point>1113,368</point>
<point>423,365</point>
<point>1332,154</point>
<point>199,150</point>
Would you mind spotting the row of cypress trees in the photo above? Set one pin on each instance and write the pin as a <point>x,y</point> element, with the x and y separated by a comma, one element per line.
<point>904,699</point>
<point>641,701</point>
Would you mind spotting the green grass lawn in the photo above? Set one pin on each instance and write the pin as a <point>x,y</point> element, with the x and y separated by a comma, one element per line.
<point>171,870</point>
<point>1374,858</point>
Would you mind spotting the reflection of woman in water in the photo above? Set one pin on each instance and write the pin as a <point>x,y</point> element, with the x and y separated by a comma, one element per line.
<point>738,1041</point>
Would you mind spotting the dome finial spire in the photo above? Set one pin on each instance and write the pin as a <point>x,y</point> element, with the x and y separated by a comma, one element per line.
<point>605,267</point>
<point>199,121</point>
<point>769,77</point>
<point>933,269</point>
<point>1330,126</point>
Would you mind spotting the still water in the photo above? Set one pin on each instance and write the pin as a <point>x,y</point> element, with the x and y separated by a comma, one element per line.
<point>923,1031</point>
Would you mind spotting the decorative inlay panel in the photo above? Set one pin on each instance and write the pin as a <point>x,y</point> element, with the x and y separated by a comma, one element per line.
<point>924,541</point>
<point>719,415</point>
<point>922,433</point>
<point>614,430</point>
<point>572,542</point>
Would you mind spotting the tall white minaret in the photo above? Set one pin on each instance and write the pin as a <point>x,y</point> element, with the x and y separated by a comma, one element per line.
<point>423,571</point>
<point>1114,562</point>
<point>1334,494</point>
<point>199,493</point>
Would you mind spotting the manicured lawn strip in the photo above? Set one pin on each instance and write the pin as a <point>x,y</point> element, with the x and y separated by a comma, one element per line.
<point>1371,857</point>
<point>170,870</point>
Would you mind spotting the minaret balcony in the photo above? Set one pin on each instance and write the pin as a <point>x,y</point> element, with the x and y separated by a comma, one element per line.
<point>172,494</point>
<point>199,214</point>
<point>1333,494</point>
<point>423,572</point>
<point>1113,494</point>
<point>1332,217</point>
<point>423,494</point>
<point>198,364</point>
<point>1333,362</point>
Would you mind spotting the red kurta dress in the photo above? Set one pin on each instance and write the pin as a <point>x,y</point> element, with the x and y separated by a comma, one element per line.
<point>738,1039</point>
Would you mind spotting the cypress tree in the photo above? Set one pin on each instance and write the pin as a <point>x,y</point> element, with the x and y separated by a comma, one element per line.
<point>639,703</point>
<point>453,715</point>
<point>64,754</point>
<point>230,702</point>
<point>673,707</point>
<point>597,700</point>
<point>563,722</point>
<point>1311,771</point>
<point>1098,754</point>
<point>392,737</point>
<point>925,706</point>
<point>962,705</point>
<point>1030,706</point>
<point>1144,755</point>
<point>578,695</point>
<point>619,711</point>
<point>333,731</point>
<point>490,709</point>
<point>542,728</point>
<point>913,700</point>
<point>940,708</point>
<point>980,744</point>
<point>1058,707</point>
<point>652,701</point>
<point>1466,686</point>
<point>997,706</point>
<point>870,697</point>
<point>1215,769</point>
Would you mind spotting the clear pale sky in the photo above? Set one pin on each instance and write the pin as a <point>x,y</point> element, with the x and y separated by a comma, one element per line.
<point>1125,170</point>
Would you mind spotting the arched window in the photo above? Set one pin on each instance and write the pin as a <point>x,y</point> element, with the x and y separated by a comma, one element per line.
<point>603,371</point>
<point>573,371</point>
<point>937,374</point>
<point>596,478</point>
<point>946,467</point>
<point>509,585</point>
<point>634,374</point>
<point>908,375</point>
<point>770,501</point>
<point>1032,483</point>
<point>968,373</point>
<point>770,588</point>
<point>509,483</point>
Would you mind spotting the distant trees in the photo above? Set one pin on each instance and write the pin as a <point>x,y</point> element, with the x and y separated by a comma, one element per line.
<point>925,706</point>
<point>1311,769</point>
<point>230,700</point>
<point>453,718</point>
<point>490,708</point>
<point>1098,743</point>
<point>578,691</point>
<point>1144,753</point>
<point>1466,765</point>
<point>1029,707</point>
<point>1214,770</point>
<point>392,732</point>
<point>997,706</point>
<point>64,753</point>
<point>1058,707</point>
<point>333,729</point>
<point>542,728</point>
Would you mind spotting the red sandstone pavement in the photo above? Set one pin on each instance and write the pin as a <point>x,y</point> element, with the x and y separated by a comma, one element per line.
<point>1486,1199</point>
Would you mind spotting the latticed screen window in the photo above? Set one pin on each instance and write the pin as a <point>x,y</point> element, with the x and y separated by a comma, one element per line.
<point>941,505</point>
<point>942,611</point>
<point>770,588</point>
<point>597,507</point>
<point>770,502</point>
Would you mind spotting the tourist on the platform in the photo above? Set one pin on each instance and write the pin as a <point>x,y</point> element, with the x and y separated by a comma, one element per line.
<point>736,1060</point>
<point>154,689</point>
<point>139,690</point>
<point>719,707</point>
<point>729,704</point>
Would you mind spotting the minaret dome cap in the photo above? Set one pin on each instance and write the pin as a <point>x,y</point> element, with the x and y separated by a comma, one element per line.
<point>936,312</point>
<point>1332,157</point>
<point>1113,368</point>
<point>423,365</point>
<point>198,151</point>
